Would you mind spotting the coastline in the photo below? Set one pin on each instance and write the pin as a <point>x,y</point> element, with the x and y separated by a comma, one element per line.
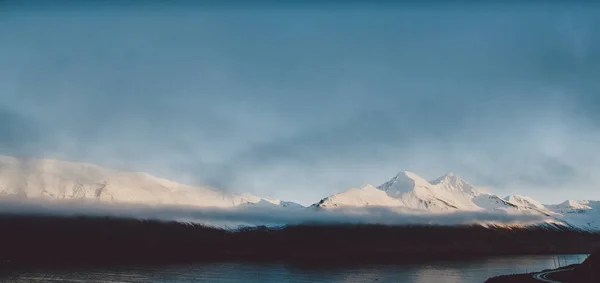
<point>584,272</point>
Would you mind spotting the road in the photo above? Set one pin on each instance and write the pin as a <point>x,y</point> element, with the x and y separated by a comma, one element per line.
<point>542,276</point>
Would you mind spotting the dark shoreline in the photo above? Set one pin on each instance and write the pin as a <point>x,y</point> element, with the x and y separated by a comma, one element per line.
<point>586,272</point>
<point>51,241</point>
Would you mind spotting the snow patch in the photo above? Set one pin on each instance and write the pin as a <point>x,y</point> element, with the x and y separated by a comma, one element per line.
<point>366,196</point>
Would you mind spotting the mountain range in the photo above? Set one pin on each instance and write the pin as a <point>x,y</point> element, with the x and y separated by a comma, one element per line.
<point>450,193</point>
<point>55,179</point>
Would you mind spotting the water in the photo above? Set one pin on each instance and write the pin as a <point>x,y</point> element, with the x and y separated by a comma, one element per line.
<point>456,271</point>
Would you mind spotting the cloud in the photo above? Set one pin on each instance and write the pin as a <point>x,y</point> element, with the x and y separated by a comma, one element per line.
<point>261,215</point>
<point>18,134</point>
<point>267,101</point>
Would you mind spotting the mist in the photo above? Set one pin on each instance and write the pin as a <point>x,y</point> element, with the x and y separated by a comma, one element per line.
<point>298,102</point>
<point>252,216</point>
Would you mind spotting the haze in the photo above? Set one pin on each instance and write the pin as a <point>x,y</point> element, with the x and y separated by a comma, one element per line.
<point>250,216</point>
<point>298,102</point>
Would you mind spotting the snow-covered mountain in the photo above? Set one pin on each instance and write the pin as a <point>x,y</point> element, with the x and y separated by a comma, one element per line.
<point>524,201</point>
<point>252,200</point>
<point>54,179</point>
<point>450,193</point>
<point>575,206</point>
<point>579,213</point>
<point>405,192</point>
<point>445,194</point>
<point>366,196</point>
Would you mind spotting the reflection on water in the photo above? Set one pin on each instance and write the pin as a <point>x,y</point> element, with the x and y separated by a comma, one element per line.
<point>465,271</point>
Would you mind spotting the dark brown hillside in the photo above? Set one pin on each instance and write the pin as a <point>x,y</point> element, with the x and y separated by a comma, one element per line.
<point>31,240</point>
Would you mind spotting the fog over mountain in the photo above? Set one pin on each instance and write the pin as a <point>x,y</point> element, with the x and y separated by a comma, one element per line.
<point>53,187</point>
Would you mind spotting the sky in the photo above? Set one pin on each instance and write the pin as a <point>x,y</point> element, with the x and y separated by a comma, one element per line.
<point>300,101</point>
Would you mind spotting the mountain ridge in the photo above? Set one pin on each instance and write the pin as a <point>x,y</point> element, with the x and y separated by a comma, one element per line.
<point>406,191</point>
<point>48,178</point>
<point>450,193</point>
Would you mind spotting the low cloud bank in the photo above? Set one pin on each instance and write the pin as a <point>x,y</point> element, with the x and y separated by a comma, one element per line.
<point>249,215</point>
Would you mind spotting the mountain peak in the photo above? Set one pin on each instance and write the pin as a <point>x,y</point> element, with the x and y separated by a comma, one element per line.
<point>411,176</point>
<point>407,175</point>
<point>453,182</point>
<point>448,178</point>
<point>524,201</point>
<point>575,204</point>
<point>403,182</point>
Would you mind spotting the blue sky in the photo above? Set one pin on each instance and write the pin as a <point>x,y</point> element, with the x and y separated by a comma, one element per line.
<point>301,101</point>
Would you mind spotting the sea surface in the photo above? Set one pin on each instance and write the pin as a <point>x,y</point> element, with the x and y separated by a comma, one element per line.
<point>454,271</point>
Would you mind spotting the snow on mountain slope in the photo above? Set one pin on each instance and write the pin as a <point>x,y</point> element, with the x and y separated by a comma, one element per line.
<point>249,199</point>
<point>404,182</point>
<point>583,214</point>
<point>448,192</point>
<point>453,183</point>
<point>511,205</point>
<point>366,196</point>
<point>575,206</point>
<point>524,201</point>
<point>408,192</point>
<point>45,178</point>
<point>493,202</point>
